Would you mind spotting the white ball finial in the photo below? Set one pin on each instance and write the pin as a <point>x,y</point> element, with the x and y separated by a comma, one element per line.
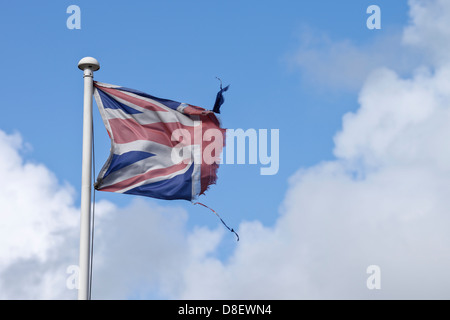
<point>89,62</point>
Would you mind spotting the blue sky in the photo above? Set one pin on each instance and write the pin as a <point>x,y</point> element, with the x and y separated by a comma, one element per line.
<point>288,64</point>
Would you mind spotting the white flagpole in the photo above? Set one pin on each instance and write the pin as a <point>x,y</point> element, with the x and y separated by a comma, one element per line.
<point>88,65</point>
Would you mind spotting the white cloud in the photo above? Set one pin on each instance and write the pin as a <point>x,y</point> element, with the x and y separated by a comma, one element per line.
<point>37,219</point>
<point>139,250</point>
<point>400,120</point>
<point>429,29</point>
<point>344,65</point>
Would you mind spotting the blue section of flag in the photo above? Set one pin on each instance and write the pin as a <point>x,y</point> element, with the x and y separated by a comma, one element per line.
<point>168,103</point>
<point>111,103</point>
<point>179,187</point>
<point>121,161</point>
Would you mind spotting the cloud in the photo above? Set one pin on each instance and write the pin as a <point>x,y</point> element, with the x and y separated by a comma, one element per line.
<point>139,250</point>
<point>343,65</point>
<point>37,216</point>
<point>428,30</point>
<point>399,121</point>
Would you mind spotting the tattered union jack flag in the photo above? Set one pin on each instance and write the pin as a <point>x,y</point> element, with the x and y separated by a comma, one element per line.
<point>159,148</point>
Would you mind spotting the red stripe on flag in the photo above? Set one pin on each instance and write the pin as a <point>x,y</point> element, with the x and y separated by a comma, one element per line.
<point>128,130</point>
<point>195,111</point>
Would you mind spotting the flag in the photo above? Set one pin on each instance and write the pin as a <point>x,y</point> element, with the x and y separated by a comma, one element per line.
<point>159,148</point>
<point>219,97</point>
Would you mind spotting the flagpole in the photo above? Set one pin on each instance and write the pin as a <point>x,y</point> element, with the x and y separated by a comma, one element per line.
<point>88,65</point>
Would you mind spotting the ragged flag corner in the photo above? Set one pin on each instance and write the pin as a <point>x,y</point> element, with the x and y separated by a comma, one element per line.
<point>219,97</point>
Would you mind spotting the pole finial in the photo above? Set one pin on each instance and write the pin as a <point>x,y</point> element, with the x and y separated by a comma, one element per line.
<point>88,63</point>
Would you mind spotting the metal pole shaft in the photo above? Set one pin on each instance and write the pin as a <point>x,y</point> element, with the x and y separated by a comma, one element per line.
<point>85,222</point>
